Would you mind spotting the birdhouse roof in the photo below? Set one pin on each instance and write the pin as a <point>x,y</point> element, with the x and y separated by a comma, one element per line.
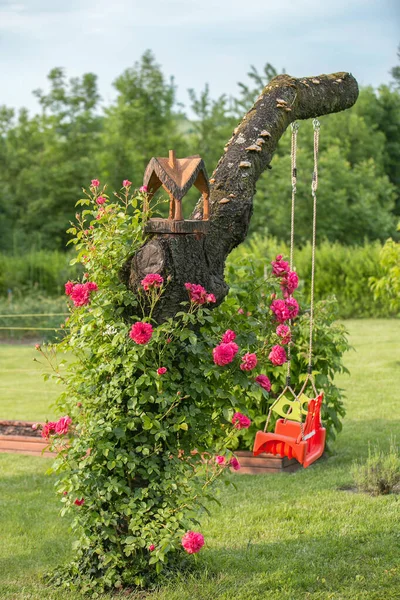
<point>178,178</point>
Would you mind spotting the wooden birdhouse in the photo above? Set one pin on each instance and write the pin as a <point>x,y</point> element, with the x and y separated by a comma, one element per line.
<point>176,176</point>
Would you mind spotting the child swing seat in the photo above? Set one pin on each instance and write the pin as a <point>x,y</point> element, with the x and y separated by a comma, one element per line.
<point>292,439</point>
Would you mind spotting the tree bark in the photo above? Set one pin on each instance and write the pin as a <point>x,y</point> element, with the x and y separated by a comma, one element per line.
<point>199,258</point>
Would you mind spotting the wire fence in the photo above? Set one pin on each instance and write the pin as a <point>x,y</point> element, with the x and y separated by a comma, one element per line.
<point>16,326</point>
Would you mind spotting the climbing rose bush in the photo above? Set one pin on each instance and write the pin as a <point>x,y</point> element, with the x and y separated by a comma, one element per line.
<point>156,409</point>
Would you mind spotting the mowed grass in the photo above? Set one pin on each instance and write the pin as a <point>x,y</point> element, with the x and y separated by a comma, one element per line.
<point>281,537</point>
<point>23,393</point>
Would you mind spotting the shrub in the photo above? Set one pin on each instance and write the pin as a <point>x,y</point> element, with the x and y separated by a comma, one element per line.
<point>156,409</point>
<point>380,473</point>
<point>387,287</point>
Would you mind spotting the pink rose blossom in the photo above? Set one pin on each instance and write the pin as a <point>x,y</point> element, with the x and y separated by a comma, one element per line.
<point>141,332</point>
<point>143,189</point>
<point>152,547</point>
<point>95,183</point>
<point>234,463</point>
<point>79,502</point>
<point>48,429</point>
<point>293,307</point>
<point>280,267</point>
<point>283,331</point>
<point>280,310</point>
<point>210,299</point>
<point>35,425</point>
<point>152,280</point>
<point>290,282</point>
<point>126,183</point>
<point>229,336</point>
<point>220,460</point>
<point>162,370</point>
<point>277,355</point>
<point>240,421</point>
<point>62,425</point>
<point>197,294</point>
<point>80,294</point>
<point>240,311</point>
<point>249,362</point>
<point>223,354</point>
<point>192,542</point>
<point>69,286</point>
<point>37,346</point>
<point>263,382</point>
<point>101,200</point>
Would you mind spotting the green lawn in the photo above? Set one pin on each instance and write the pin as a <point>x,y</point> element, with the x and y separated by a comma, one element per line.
<point>281,537</point>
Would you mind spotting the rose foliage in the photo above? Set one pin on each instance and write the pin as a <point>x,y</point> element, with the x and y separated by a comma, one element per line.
<point>155,411</point>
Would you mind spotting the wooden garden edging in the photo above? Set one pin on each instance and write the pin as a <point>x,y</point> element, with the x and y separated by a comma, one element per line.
<point>18,437</point>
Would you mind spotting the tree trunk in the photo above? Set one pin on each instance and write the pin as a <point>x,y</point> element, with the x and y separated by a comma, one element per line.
<point>199,258</point>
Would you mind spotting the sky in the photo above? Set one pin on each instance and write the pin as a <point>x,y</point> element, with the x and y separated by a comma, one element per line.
<point>196,41</point>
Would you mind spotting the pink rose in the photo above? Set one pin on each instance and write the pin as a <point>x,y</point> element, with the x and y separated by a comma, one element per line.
<point>48,429</point>
<point>280,310</point>
<point>95,183</point>
<point>283,331</point>
<point>280,267</point>
<point>289,282</point>
<point>35,425</point>
<point>240,311</point>
<point>192,542</point>
<point>141,332</point>
<point>223,354</point>
<point>249,361</point>
<point>293,307</point>
<point>220,460</point>
<point>234,463</point>
<point>197,294</point>
<point>263,382</point>
<point>126,183</point>
<point>277,355</point>
<point>210,299</point>
<point>37,346</point>
<point>79,502</point>
<point>62,425</point>
<point>152,280</point>
<point>229,336</point>
<point>240,421</point>
<point>143,189</point>
<point>69,286</point>
<point>162,370</point>
<point>152,546</point>
<point>101,200</point>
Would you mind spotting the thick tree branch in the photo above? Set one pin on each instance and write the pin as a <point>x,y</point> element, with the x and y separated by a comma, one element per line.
<point>201,259</point>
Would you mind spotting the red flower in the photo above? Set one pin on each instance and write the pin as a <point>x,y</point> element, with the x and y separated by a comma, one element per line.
<point>162,370</point>
<point>152,546</point>
<point>277,355</point>
<point>62,425</point>
<point>280,310</point>
<point>220,460</point>
<point>249,361</point>
<point>192,542</point>
<point>223,354</point>
<point>79,502</point>
<point>234,463</point>
<point>101,200</point>
<point>141,332</point>
<point>143,189</point>
<point>48,429</point>
<point>126,183</point>
<point>293,307</point>
<point>211,299</point>
<point>263,382</point>
<point>290,282</point>
<point>80,294</point>
<point>283,331</point>
<point>69,286</point>
<point>229,336</point>
<point>240,421</point>
<point>95,182</point>
<point>91,286</point>
<point>280,267</point>
<point>153,280</point>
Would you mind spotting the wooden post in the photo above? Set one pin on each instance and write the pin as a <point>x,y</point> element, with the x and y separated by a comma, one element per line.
<point>178,210</point>
<point>172,158</point>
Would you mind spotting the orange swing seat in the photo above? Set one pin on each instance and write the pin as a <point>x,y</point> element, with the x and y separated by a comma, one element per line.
<point>287,440</point>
